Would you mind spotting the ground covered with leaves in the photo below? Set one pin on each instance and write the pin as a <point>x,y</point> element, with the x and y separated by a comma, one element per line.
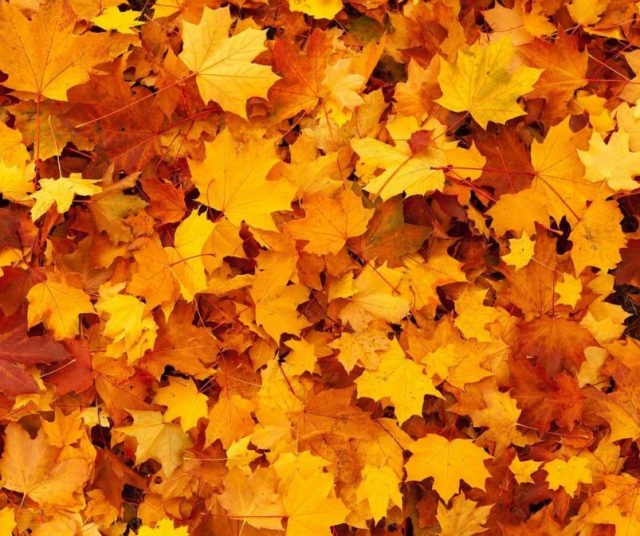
<point>315,268</point>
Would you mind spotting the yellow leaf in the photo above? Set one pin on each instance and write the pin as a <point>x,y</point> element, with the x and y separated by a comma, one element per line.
<point>183,401</point>
<point>361,347</point>
<point>240,455</point>
<point>156,439</point>
<point>7,521</point>
<point>114,19</point>
<point>43,56</point>
<point>233,179</point>
<point>301,359</point>
<point>473,315</point>
<point>569,290</point>
<point>521,251</point>
<point>567,474</point>
<point>124,314</point>
<point>589,373</point>
<point>617,504</point>
<point>380,487</point>
<point>501,419</point>
<point>17,181</point>
<point>57,305</point>
<point>164,527</point>
<point>447,462</point>
<point>401,380</point>
<point>223,65</point>
<point>32,467</point>
<point>424,277</point>
<point>459,363</point>
<point>560,180</point>
<point>328,223</point>
<point>481,83</point>
<point>587,12</point>
<point>464,518</point>
<point>152,275</point>
<point>519,212</point>
<point>229,419</point>
<point>343,86</point>
<point>61,193</point>
<point>309,509</point>
<point>598,161</point>
<point>276,301</point>
<point>376,296</point>
<point>253,498</point>
<point>522,470</point>
<point>598,237</point>
<point>414,174</point>
<point>186,255</point>
<point>277,312</point>
<point>318,9</point>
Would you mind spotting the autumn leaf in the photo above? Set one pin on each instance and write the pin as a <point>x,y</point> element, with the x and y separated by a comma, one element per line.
<point>328,222</point>
<point>32,467</point>
<point>223,65</point>
<point>43,57</point>
<point>61,193</point>
<point>57,304</point>
<point>308,508</point>
<point>464,518</point>
<point>233,179</point>
<point>447,462</point>
<point>481,83</point>
<point>156,439</point>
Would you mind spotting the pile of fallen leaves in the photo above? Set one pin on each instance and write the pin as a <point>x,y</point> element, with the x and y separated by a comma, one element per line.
<point>312,268</point>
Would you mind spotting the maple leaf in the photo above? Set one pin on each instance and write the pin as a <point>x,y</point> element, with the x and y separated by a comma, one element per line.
<point>183,401</point>
<point>473,315</point>
<point>598,237</point>
<point>379,487</point>
<point>500,416</point>
<point>565,70</point>
<point>43,56</point>
<point>114,19</point>
<point>57,304</point>
<point>61,193</point>
<point>156,439</point>
<point>544,398</point>
<point>597,161</point>
<point>32,467</point>
<point>223,65</point>
<point>233,179</point>
<point>400,379</point>
<point>447,462</point>
<point>615,504</point>
<point>253,498</point>
<point>522,470</point>
<point>328,223</point>
<point>229,419</point>
<point>389,235</point>
<point>464,518</point>
<point>404,171</point>
<point>521,253</point>
<point>186,256</point>
<point>567,474</point>
<point>374,296</point>
<point>309,509</point>
<point>300,87</point>
<point>152,276</point>
<point>481,83</point>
